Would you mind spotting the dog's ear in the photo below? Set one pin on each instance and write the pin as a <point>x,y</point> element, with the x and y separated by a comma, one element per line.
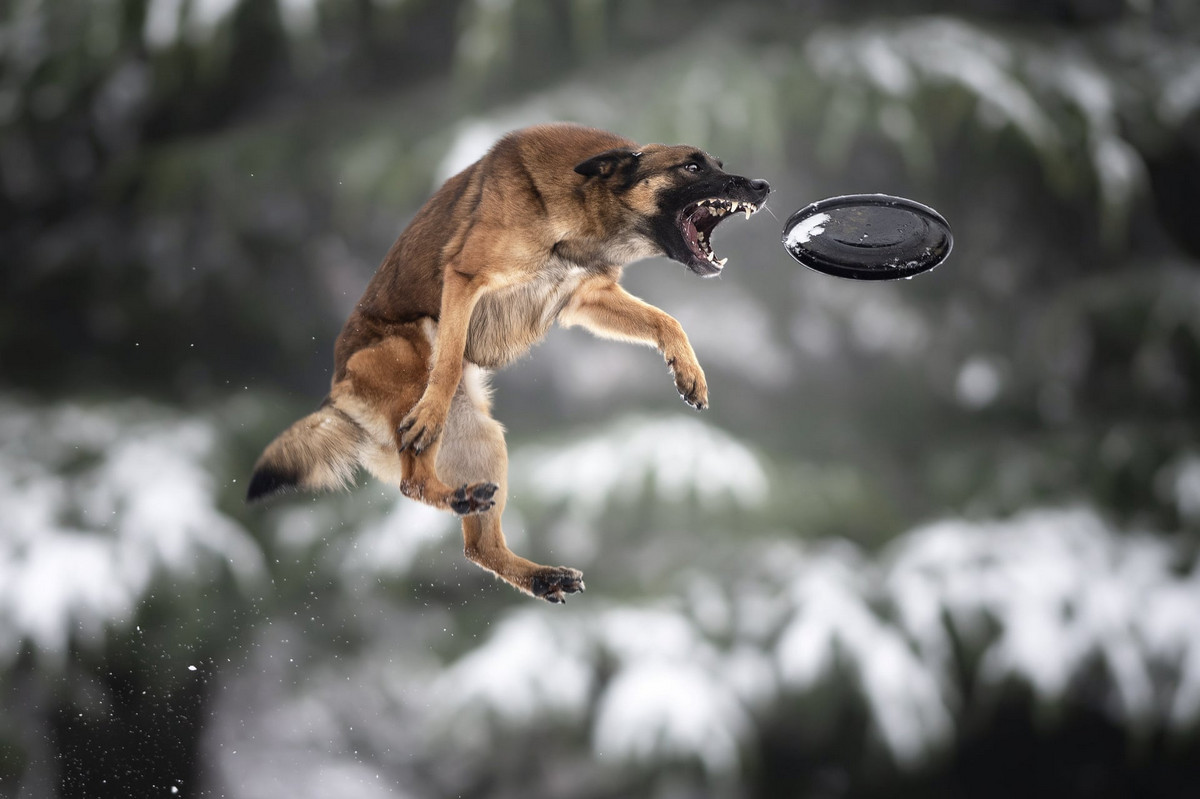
<point>608,163</point>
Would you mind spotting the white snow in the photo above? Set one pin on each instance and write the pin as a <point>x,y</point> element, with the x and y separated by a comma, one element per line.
<point>678,458</point>
<point>527,670</point>
<point>655,711</point>
<point>1040,597</point>
<point>1061,587</point>
<point>832,620</point>
<point>103,501</point>
<point>804,231</point>
<point>1064,587</point>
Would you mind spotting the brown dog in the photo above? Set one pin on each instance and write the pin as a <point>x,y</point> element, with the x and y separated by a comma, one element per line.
<point>536,231</point>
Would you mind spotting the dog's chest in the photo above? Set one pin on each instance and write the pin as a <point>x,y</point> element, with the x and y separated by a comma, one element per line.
<point>507,323</point>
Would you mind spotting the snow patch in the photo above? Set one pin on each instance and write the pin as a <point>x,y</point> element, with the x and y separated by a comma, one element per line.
<point>679,459</point>
<point>103,501</point>
<point>804,231</point>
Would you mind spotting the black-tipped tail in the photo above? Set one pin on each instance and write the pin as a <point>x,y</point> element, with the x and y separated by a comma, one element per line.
<point>318,453</point>
<point>267,482</point>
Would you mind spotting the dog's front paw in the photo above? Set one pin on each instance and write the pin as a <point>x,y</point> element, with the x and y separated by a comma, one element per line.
<point>553,583</point>
<point>689,379</point>
<point>420,429</point>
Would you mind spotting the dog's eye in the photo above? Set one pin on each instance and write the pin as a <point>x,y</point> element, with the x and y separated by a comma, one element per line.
<point>692,167</point>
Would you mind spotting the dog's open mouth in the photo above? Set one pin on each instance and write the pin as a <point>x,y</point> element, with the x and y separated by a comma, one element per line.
<point>698,221</point>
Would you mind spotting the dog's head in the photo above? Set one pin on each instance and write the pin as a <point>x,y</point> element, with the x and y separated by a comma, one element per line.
<point>678,194</point>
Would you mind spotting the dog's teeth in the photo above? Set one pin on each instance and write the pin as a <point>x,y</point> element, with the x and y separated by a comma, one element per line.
<point>749,210</point>
<point>733,206</point>
<point>721,262</point>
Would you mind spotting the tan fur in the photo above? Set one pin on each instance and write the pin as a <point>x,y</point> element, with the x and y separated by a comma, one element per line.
<point>514,243</point>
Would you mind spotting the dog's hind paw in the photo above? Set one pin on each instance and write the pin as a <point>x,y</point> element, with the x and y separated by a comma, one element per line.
<point>553,583</point>
<point>475,498</point>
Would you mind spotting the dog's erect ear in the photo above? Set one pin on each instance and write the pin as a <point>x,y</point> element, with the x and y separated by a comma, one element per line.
<point>608,163</point>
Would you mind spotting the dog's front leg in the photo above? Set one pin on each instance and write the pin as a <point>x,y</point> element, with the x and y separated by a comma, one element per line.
<point>607,310</point>
<point>422,426</point>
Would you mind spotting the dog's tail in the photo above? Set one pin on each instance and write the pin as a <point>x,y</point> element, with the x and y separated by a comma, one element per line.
<point>319,452</point>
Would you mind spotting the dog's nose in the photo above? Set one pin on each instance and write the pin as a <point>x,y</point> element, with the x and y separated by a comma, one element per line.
<point>760,186</point>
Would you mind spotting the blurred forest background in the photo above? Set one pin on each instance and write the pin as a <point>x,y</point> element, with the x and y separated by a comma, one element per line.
<point>935,538</point>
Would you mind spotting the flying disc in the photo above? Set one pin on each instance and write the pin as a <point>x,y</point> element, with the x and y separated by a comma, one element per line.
<point>868,237</point>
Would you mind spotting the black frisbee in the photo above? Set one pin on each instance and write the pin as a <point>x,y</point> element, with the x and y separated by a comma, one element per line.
<point>868,237</point>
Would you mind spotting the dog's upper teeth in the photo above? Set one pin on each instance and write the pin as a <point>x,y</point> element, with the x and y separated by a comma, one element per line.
<point>721,262</point>
<point>733,206</point>
<point>750,209</point>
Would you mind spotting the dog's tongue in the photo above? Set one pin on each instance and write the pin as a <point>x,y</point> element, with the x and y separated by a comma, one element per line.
<point>692,227</point>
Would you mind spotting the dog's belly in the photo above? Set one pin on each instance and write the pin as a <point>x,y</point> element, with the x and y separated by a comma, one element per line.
<point>506,324</point>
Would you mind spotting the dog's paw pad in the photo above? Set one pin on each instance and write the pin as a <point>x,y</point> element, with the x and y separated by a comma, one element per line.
<point>484,491</point>
<point>473,499</point>
<point>554,583</point>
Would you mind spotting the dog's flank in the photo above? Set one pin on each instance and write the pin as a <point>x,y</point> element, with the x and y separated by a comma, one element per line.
<point>535,232</point>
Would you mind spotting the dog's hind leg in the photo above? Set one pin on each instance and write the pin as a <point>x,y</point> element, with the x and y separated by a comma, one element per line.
<point>382,383</point>
<point>472,450</point>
